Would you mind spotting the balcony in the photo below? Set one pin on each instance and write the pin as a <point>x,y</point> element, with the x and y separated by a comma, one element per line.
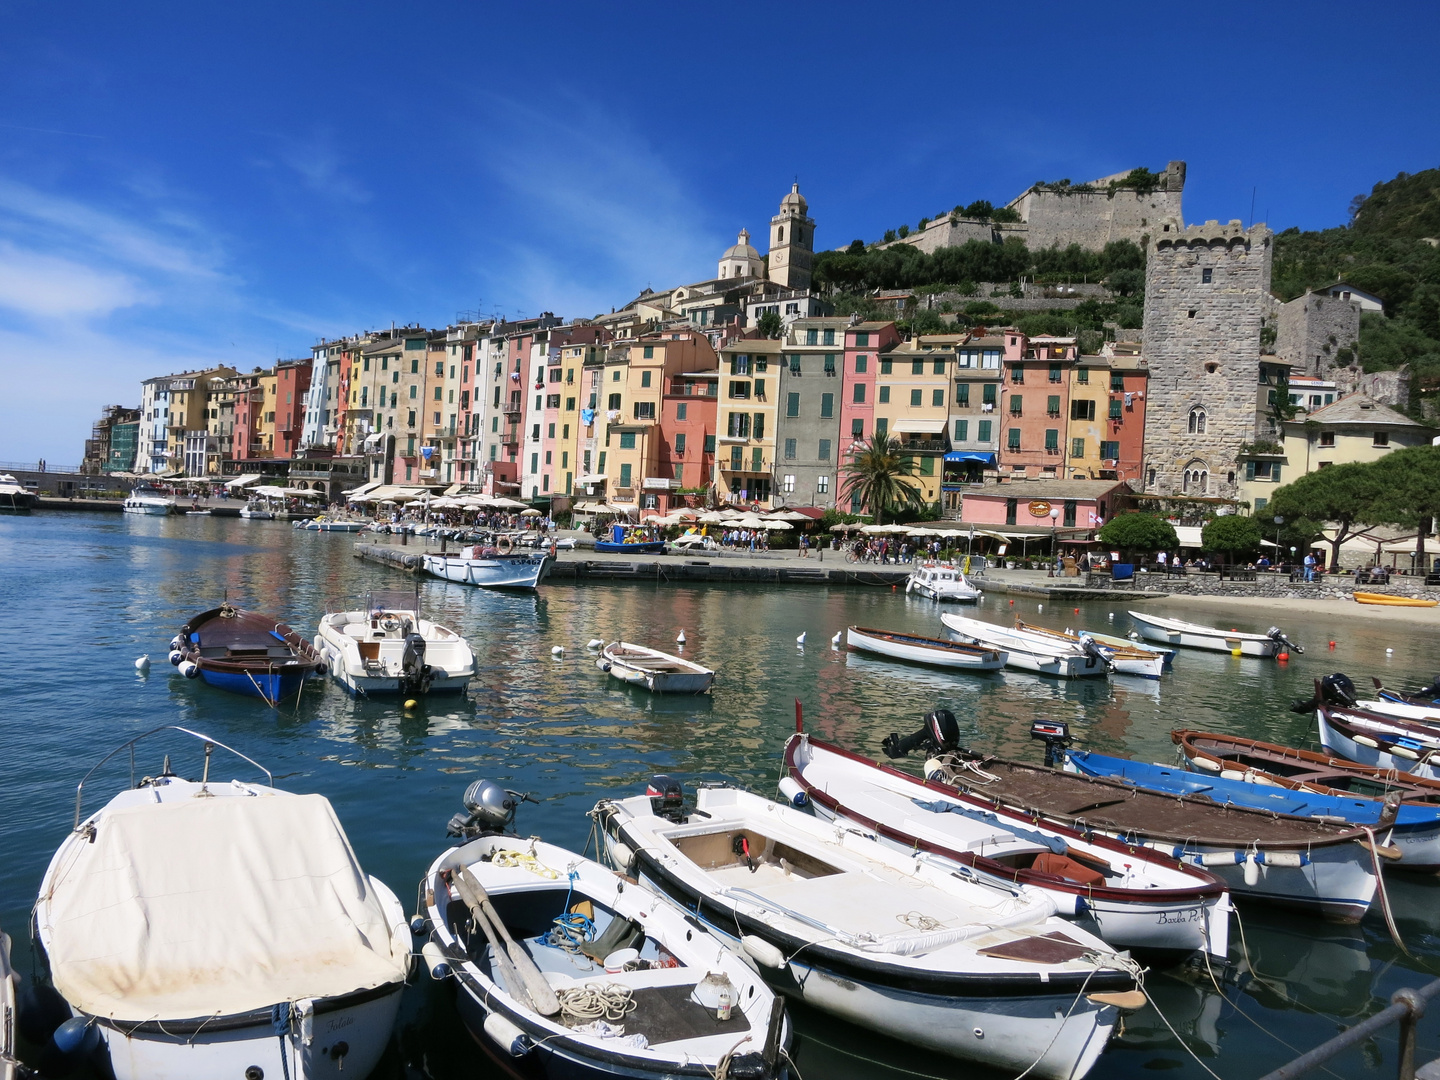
<point>747,465</point>
<point>926,446</point>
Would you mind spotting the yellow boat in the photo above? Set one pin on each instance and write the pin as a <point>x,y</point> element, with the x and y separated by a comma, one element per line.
<point>1393,601</point>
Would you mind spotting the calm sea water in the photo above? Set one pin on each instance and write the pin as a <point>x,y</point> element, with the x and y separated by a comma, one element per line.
<point>82,595</point>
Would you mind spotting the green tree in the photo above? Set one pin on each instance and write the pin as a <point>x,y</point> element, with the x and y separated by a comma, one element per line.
<point>770,325</point>
<point>979,210</point>
<point>1234,535</point>
<point>1138,532</point>
<point>883,478</point>
<point>1349,497</point>
<point>1408,482</point>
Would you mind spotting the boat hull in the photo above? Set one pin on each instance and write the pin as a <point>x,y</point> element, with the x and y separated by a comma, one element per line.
<point>1387,600</point>
<point>652,547</point>
<point>270,686</point>
<point>1022,657</point>
<point>1342,742</point>
<point>501,572</point>
<point>1252,645</point>
<point>155,509</point>
<point>921,651</point>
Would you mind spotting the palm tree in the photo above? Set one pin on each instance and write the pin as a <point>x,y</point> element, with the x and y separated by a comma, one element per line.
<point>880,474</point>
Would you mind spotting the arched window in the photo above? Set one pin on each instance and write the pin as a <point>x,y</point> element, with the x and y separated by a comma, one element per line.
<point>780,234</point>
<point>1197,421</point>
<point>1195,480</point>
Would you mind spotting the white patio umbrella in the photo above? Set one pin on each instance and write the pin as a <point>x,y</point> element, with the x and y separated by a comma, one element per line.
<point>532,512</point>
<point>777,526</point>
<point>712,517</point>
<point>508,504</point>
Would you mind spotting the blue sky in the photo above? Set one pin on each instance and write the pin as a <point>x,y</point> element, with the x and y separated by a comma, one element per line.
<point>183,185</point>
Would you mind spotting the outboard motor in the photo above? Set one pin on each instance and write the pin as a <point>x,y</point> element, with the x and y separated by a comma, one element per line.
<point>1091,647</point>
<point>1276,634</point>
<point>416,676</point>
<point>1431,692</point>
<point>939,734</point>
<point>490,810</point>
<point>667,797</point>
<point>1055,734</point>
<point>1336,689</point>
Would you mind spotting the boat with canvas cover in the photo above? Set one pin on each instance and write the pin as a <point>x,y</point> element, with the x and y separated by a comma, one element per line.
<point>219,929</point>
<point>936,652</point>
<point>1322,867</point>
<point>978,970</point>
<point>1124,659</point>
<point>563,969</point>
<point>245,652</point>
<point>490,566</point>
<point>653,670</point>
<point>1024,652</point>
<point>941,581</point>
<point>387,647</point>
<point>1131,898</point>
<point>1194,636</point>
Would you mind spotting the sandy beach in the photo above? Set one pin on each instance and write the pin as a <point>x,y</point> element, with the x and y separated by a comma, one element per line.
<point>1286,606</point>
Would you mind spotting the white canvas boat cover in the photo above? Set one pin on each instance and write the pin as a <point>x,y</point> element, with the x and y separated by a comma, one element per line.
<point>213,907</point>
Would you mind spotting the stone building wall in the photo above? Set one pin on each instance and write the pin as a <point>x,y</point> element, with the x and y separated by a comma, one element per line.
<point>945,232</point>
<point>1058,218</point>
<point>1202,342</point>
<point>1312,328</point>
<point>1387,387</point>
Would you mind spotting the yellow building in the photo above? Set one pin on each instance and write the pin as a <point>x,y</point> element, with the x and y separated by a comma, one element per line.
<point>912,403</point>
<point>745,421</point>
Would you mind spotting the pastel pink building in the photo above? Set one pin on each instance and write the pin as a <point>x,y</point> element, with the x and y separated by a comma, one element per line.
<point>865,344</point>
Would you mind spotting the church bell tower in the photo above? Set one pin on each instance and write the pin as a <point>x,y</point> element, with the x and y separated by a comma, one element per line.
<point>792,242</point>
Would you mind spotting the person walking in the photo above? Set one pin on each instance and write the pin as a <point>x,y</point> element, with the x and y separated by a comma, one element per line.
<point>1309,566</point>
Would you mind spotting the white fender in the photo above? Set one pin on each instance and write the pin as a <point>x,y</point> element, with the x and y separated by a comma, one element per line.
<point>175,657</point>
<point>794,794</point>
<point>435,961</point>
<point>1292,859</point>
<point>1221,858</point>
<point>506,1035</point>
<point>762,952</point>
<point>1365,740</point>
<point>1252,870</point>
<point>189,669</point>
<point>1206,764</point>
<point>622,855</point>
<point>1402,752</point>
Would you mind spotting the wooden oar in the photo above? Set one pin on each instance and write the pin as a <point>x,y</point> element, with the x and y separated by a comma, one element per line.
<point>509,977</point>
<point>542,994</point>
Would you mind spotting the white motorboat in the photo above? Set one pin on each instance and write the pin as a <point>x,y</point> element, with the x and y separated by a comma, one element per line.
<point>221,929</point>
<point>15,497</point>
<point>146,500</point>
<point>565,930</point>
<point>489,567</point>
<point>937,652</point>
<point>941,581</point>
<point>1025,652</point>
<point>962,966</point>
<point>388,648</point>
<point>324,524</point>
<point>1124,659</point>
<point>658,672</point>
<point>257,511</point>
<point>1132,898</point>
<point>1194,636</point>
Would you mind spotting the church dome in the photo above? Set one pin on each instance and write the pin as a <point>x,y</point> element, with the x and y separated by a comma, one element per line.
<point>741,249</point>
<point>795,200</point>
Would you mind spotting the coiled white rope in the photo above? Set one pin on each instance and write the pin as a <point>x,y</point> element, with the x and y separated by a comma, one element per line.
<point>596,1001</point>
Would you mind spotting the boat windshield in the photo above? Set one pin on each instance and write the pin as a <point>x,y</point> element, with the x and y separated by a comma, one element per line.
<point>392,600</point>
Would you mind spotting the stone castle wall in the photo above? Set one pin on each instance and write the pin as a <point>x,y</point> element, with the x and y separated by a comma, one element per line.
<point>1312,328</point>
<point>1202,342</point>
<point>1387,387</point>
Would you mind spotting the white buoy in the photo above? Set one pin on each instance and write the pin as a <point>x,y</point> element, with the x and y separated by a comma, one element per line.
<point>1040,607</point>
<point>1111,615</point>
<point>800,640</point>
<point>836,639</point>
<point>557,650</point>
<point>681,638</point>
<point>142,665</point>
<point>1389,651</point>
<point>594,643</point>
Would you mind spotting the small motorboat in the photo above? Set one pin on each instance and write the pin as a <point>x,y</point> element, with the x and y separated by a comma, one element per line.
<point>623,541</point>
<point>256,510</point>
<point>563,969</point>
<point>937,652</point>
<point>1426,696</point>
<point>1391,600</point>
<point>914,949</point>
<point>327,524</point>
<point>245,652</point>
<point>387,647</point>
<point>658,672</point>
<point>146,500</point>
<point>15,497</point>
<point>1392,820</point>
<point>490,566</point>
<point>1194,636</point>
<point>1124,659</point>
<point>214,929</point>
<point>1026,652</point>
<point>1133,898</point>
<point>1318,866</point>
<point>941,581</point>
<point>1134,642</point>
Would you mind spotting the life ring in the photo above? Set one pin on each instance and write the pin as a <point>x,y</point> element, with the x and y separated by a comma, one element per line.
<point>504,545</point>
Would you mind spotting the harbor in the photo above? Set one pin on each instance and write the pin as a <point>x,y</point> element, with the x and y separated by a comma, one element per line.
<point>113,587</point>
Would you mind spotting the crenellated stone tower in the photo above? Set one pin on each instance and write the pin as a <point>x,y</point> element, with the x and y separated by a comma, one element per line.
<point>1205,296</point>
<point>792,242</point>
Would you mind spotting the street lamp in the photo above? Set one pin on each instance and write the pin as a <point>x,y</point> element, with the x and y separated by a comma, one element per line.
<point>1278,522</point>
<point>1054,544</point>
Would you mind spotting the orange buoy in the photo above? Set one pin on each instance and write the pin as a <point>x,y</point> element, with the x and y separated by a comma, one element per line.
<point>1012,603</point>
<point>1077,611</point>
<point>1332,644</point>
<point>1283,657</point>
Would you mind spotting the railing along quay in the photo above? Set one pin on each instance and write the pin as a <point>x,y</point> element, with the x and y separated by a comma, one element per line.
<point>1406,1008</point>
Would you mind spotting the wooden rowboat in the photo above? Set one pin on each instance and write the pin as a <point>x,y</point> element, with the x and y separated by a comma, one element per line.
<point>246,653</point>
<point>937,652</point>
<point>658,672</point>
<point>1125,659</point>
<point>1387,600</point>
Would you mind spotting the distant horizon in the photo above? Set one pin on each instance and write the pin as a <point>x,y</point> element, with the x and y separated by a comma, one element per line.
<point>180,189</point>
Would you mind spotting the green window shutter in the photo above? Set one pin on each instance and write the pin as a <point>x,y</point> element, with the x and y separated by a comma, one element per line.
<point>987,395</point>
<point>962,429</point>
<point>795,363</point>
<point>1052,404</point>
<point>885,366</point>
<point>759,388</point>
<point>1077,448</point>
<point>1275,471</point>
<point>982,431</point>
<point>1249,470</point>
<point>882,427</point>
<point>709,444</point>
<point>759,426</point>
<point>649,352</point>
<point>917,367</point>
<point>861,365</point>
<point>645,378</point>
<point>756,459</point>
<point>1117,381</point>
<point>792,404</point>
<point>625,475</point>
<point>962,394</point>
<point>1052,439</point>
<point>824,450</point>
<point>735,455</point>
<point>937,398</point>
<point>829,363</point>
<point>1082,375</point>
<point>927,466</point>
<point>1015,404</point>
<point>884,395</point>
<point>1115,407</point>
<point>915,398</point>
<point>1014,438</point>
<point>627,440</point>
<point>789,449</point>
<point>827,406</point>
<point>859,394</point>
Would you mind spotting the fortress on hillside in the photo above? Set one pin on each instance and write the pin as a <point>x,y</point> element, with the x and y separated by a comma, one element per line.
<point>1090,214</point>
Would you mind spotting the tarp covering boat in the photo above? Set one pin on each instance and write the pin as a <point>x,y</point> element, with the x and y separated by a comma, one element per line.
<point>216,907</point>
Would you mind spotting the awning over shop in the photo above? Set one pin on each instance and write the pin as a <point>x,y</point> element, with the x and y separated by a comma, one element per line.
<point>595,478</point>
<point>1188,535</point>
<point>918,427</point>
<point>243,481</point>
<point>984,457</point>
<point>365,489</point>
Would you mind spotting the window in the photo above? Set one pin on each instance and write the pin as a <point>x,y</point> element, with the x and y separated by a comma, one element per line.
<point>829,363</point>
<point>787,482</point>
<point>740,365</point>
<point>827,337</point>
<point>794,363</point>
<point>1206,276</point>
<point>1082,376</point>
<point>625,475</point>
<point>549,431</point>
<point>1327,438</point>
<point>882,428</point>
<point>1117,381</point>
<point>1068,514</point>
<point>792,404</point>
<point>982,431</point>
<point>861,365</point>
<point>1013,440</point>
<point>988,394</point>
<point>649,352</point>
<point>1016,408</point>
<point>822,485</point>
<point>680,444</point>
<point>1116,409</point>
<point>627,440</point>
<point>1197,418</point>
<point>534,432</point>
<point>615,375</point>
<point>1052,405</point>
<point>552,401</point>
<point>927,465</point>
<point>738,425</point>
<point>735,455</point>
<point>1191,314</point>
<point>812,337</point>
<point>549,454</point>
<point>1077,448</point>
<point>739,389</point>
<point>962,394</point>
<point>823,453</point>
<point>886,367</point>
<point>644,378</point>
<point>555,375</point>
<point>759,425</point>
<point>990,358</point>
<point>1382,438</point>
<point>915,397</point>
<point>1110,450</point>
<point>1011,506</point>
<point>859,396</point>
<point>917,367</point>
<point>569,404</point>
<point>613,403</point>
<point>857,428</point>
<point>414,392</point>
<point>644,410</point>
<point>1052,440</point>
<point>827,406</point>
<point>414,363</point>
<point>1054,372</point>
<point>759,388</point>
<point>534,463</point>
<point>937,398</point>
<point>1017,374</point>
<point>862,338</point>
<point>884,397</point>
<point>1082,410</point>
<point>962,430</point>
<point>789,449</point>
<point>679,475</point>
<point>709,444</point>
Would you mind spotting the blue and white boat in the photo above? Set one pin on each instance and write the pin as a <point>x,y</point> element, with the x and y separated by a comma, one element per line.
<point>246,653</point>
<point>619,545</point>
